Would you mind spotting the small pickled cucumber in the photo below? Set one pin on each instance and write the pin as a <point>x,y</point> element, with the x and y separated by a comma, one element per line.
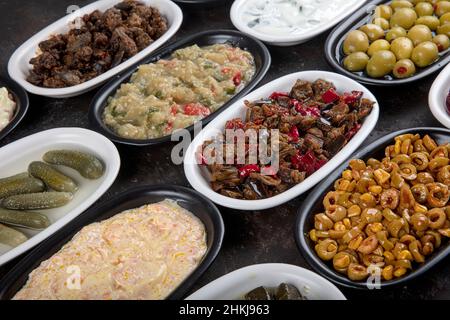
<point>20,185</point>
<point>53,178</point>
<point>87,165</point>
<point>31,220</point>
<point>11,237</point>
<point>35,201</point>
<point>15,177</point>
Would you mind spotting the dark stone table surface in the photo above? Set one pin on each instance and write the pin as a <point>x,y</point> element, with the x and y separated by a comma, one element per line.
<point>251,237</point>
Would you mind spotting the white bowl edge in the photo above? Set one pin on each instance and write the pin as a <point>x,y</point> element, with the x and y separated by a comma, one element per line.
<point>437,97</point>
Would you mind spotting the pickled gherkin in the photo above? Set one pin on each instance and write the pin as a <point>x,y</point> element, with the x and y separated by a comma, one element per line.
<point>20,184</point>
<point>288,292</point>
<point>87,165</point>
<point>35,201</point>
<point>31,220</point>
<point>11,237</point>
<point>53,178</point>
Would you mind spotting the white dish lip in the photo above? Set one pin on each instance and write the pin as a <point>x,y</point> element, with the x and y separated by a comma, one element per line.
<point>111,158</point>
<point>239,282</point>
<point>291,40</point>
<point>18,64</point>
<point>437,96</point>
<point>199,183</point>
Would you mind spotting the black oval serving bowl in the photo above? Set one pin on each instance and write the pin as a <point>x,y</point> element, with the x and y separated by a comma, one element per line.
<point>313,205</point>
<point>189,199</point>
<point>20,97</point>
<point>335,55</point>
<point>207,3</point>
<point>255,47</point>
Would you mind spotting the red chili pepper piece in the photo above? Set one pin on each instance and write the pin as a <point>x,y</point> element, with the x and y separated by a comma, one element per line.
<point>276,95</point>
<point>330,96</point>
<point>351,133</point>
<point>234,124</point>
<point>245,171</point>
<point>307,162</point>
<point>201,159</point>
<point>294,135</point>
<point>270,171</point>
<point>174,109</point>
<point>305,111</point>
<point>353,98</point>
<point>196,109</point>
<point>237,79</point>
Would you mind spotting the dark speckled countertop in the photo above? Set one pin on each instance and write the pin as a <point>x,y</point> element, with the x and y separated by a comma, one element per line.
<point>251,237</point>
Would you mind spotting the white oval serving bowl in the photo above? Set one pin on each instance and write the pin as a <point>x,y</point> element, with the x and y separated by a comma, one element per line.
<point>288,40</point>
<point>236,284</point>
<point>237,110</point>
<point>17,155</point>
<point>438,95</point>
<point>19,66</point>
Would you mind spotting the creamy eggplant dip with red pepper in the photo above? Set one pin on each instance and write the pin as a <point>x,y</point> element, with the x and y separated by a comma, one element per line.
<point>175,93</point>
<point>139,254</point>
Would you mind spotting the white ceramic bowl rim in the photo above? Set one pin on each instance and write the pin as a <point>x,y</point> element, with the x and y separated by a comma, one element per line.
<point>199,183</point>
<point>19,58</point>
<point>236,11</point>
<point>437,97</point>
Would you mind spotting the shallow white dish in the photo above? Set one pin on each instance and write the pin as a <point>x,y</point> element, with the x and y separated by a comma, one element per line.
<point>19,66</point>
<point>236,284</point>
<point>16,157</point>
<point>288,40</point>
<point>438,95</point>
<point>343,84</point>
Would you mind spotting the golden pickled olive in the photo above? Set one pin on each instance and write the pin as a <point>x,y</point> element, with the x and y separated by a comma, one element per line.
<point>353,211</point>
<point>326,249</point>
<point>336,234</point>
<point>53,178</point>
<point>437,218</point>
<point>374,163</point>
<point>408,171</point>
<point>439,152</point>
<point>399,247</point>
<point>396,4</point>
<point>381,64</point>
<point>442,7</point>
<point>395,226</point>
<point>415,249</point>
<point>11,237</point>
<point>424,178</point>
<point>355,243</point>
<point>395,33</point>
<point>420,193</point>
<point>419,147</point>
<point>419,160</point>
<point>429,143</point>
<point>373,260</point>
<point>363,184</point>
<point>371,215</point>
<point>407,239</point>
<point>378,45</point>
<point>425,54</point>
<point>381,176</point>
<point>419,208</point>
<point>356,41</point>
<point>389,257</point>
<point>342,260</point>
<point>351,234</point>
<point>373,228</point>
<point>381,22</point>
<point>86,164</point>
<point>357,272</point>
<point>403,17</point>
<point>438,195</point>
<point>313,235</point>
<point>35,201</point>
<point>336,213</point>
<point>31,220</point>
<point>424,9</point>
<point>396,180</point>
<point>367,200</point>
<point>401,159</point>
<point>438,163</point>
<point>383,11</point>
<point>347,175</point>
<point>437,238</point>
<point>427,248</point>
<point>406,197</point>
<point>322,222</point>
<point>375,189</point>
<point>388,273</point>
<point>373,31</point>
<point>403,263</point>
<point>20,185</point>
<point>420,222</point>
<point>357,164</point>
<point>445,232</point>
<point>368,245</point>
<point>443,175</point>
<point>390,199</point>
<point>356,61</point>
<point>402,48</point>
<point>384,241</point>
<point>399,272</point>
<point>404,68</point>
<point>322,234</point>
<point>420,33</point>
<point>330,199</point>
<point>431,22</point>
<point>444,29</point>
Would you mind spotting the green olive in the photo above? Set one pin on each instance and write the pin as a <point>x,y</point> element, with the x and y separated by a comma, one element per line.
<point>403,17</point>
<point>419,34</point>
<point>442,42</point>
<point>356,41</point>
<point>425,54</point>
<point>396,4</point>
<point>431,22</point>
<point>380,64</point>
<point>357,61</point>
<point>442,7</point>
<point>404,68</point>
<point>445,18</point>
<point>424,9</point>
<point>395,33</point>
<point>402,48</point>
<point>381,22</point>
<point>444,29</point>
<point>383,11</point>
<point>372,31</point>
<point>378,45</point>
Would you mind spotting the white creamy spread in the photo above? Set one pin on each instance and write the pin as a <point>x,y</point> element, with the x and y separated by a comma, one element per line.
<point>7,108</point>
<point>284,17</point>
<point>139,254</point>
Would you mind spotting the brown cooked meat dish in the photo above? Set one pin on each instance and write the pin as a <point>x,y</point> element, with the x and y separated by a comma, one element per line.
<point>104,41</point>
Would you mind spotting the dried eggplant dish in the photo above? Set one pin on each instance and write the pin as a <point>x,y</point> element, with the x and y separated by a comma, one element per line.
<point>102,42</point>
<point>314,122</point>
<point>387,217</point>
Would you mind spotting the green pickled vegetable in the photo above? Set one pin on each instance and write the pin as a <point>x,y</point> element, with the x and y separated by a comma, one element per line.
<point>260,293</point>
<point>11,237</point>
<point>53,178</point>
<point>15,177</point>
<point>287,292</point>
<point>35,201</point>
<point>32,220</point>
<point>87,165</point>
<point>20,185</point>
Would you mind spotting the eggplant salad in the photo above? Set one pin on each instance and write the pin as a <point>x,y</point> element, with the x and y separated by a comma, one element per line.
<point>314,123</point>
<point>284,291</point>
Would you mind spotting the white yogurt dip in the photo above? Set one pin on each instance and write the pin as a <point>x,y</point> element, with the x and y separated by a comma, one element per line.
<point>7,108</point>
